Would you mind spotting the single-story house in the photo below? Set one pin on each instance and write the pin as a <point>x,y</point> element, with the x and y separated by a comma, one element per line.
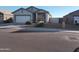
<point>72,17</point>
<point>32,14</point>
<point>5,15</point>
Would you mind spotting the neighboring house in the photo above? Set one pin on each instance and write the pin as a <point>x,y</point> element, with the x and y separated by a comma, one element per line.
<point>72,17</point>
<point>5,15</point>
<point>32,14</point>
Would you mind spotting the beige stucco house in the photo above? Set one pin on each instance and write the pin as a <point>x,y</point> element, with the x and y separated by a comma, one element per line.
<point>5,15</point>
<point>32,14</point>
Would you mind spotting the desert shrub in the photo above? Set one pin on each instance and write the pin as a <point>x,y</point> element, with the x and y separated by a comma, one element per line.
<point>40,24</point>
<point>28,23</point>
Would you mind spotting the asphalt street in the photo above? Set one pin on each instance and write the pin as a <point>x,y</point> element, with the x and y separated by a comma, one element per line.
<point>39,41</point>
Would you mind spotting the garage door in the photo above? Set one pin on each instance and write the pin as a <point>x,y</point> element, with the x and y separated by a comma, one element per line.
<point>76,19</point>
<point>22,19</point>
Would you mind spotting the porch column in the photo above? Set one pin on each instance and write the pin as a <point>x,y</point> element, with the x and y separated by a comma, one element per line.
<point>36,17</point>
<point>14,19</point>
<point>46,17</point>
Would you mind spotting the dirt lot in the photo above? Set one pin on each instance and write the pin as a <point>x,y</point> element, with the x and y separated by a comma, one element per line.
<point>38,41</point>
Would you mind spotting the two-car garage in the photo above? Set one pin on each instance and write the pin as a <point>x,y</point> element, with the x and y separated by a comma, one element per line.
<point>22,18</point>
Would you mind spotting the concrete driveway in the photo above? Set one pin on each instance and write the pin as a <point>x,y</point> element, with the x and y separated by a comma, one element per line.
<point>51,40</point>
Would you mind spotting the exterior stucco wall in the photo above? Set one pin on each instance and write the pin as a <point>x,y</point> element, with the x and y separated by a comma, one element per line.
<point>68,19</point>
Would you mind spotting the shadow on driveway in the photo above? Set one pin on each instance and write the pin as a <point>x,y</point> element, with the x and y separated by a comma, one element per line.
<point>36,30</point>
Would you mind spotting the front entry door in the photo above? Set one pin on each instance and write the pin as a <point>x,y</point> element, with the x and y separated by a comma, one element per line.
<point>34,17</point>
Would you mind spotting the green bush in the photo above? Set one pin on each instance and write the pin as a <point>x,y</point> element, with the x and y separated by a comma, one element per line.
<point>28,23</point>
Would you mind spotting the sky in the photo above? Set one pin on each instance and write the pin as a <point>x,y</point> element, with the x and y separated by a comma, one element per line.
<point>55,11</point>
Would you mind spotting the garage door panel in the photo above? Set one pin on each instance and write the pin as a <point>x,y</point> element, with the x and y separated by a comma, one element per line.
<point>22,19</point>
